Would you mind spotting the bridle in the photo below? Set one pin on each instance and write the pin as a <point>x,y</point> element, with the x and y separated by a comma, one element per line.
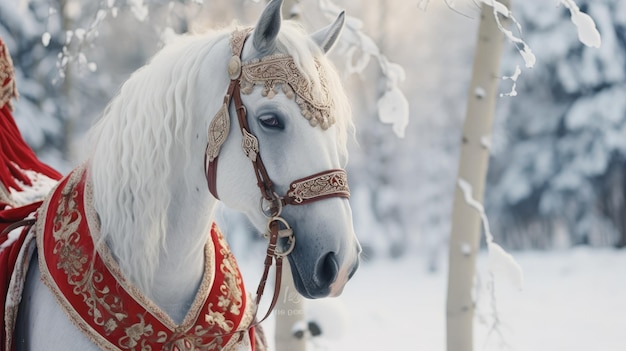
<point>319,186</point>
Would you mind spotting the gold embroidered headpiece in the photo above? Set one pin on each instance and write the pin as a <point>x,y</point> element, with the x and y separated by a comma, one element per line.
<point>280,69</point>
<point>315,103</point>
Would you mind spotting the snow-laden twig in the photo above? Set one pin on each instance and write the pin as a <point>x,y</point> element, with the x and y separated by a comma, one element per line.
<point>495,325</point>
<point>393,106</point>
<point>501,10</point>
<point>501,263</point>
<point>79,39</point>
<point>512,78</point>
<point>587,32</point>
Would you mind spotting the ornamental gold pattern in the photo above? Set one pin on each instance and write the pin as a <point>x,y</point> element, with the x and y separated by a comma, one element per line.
<point>90,287</point>
<point>319,186</point>
<point>218,132</point>
<point>281,70</point>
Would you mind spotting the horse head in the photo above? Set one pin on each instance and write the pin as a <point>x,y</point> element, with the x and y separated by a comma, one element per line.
<point>297,111</point>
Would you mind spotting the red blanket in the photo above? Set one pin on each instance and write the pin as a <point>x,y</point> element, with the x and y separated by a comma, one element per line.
<point>110,311</point>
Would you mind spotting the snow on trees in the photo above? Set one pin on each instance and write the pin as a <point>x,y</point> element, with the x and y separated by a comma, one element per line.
<point>557,176</point>
<point>558,167</point>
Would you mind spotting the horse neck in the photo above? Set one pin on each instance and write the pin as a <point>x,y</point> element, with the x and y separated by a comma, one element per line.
<point>181,262</point>
<point>151,187</point>
<point>179,266</point>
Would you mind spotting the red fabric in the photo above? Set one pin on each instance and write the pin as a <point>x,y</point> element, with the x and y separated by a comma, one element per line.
<point>15,152</point>
<point>104,305</point>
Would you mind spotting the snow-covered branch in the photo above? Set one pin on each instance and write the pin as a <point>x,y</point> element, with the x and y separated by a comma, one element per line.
<point>501,263</point>
<point>86,24</point>
<point>393,106</point>
<point>587,32</point>
<point>76,40</point>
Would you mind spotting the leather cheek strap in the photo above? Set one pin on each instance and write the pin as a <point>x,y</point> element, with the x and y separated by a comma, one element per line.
<point>217,134</point>
<point>211,176</point>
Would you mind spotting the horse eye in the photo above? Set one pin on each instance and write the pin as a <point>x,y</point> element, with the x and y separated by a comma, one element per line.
<point>271,121</point>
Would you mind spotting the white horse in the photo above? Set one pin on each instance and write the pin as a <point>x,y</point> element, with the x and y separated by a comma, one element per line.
<point>150,186</point>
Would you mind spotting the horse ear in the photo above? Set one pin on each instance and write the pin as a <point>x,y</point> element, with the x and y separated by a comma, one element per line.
<point>327,37</point>
<point>267,28</point>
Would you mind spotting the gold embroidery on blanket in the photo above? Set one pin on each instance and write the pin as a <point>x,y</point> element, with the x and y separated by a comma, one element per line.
<point>231,298</point>
<point>136,333</point>
<point>107,308</point>
<point>75,263</point>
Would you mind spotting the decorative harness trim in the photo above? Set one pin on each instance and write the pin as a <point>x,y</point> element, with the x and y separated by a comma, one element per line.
<point>271,71</point>
<point>319,186</point>
<point>87,282</point>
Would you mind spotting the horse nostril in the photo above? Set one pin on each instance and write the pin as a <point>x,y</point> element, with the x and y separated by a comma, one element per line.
<point>326,270</point>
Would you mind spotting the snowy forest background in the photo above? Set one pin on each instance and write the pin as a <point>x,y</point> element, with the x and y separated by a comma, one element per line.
<point>557,175</point>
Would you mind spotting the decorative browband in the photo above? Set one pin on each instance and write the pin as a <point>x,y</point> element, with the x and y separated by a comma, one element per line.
<point>280,69</point>
<point>332,183</point>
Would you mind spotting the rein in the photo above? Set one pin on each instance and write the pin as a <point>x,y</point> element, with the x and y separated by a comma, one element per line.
<point>319,186</point>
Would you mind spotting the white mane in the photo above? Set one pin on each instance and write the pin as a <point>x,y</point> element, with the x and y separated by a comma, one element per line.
<point>149,123</point>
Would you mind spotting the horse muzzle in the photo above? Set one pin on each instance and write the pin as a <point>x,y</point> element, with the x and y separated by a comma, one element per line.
<point>327,276</point>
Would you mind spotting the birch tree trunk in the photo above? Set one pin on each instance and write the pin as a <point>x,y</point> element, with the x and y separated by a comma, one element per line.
<point>474,158</point>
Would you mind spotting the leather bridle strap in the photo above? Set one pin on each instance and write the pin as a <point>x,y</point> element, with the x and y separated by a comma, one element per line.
<point>220,125</point>
<point>323,185</point>
<point>271,255</point>
<point>250,145</point>
<point>210,162</point>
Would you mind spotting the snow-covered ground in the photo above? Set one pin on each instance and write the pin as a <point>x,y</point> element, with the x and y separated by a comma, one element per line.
<point>572,300</point>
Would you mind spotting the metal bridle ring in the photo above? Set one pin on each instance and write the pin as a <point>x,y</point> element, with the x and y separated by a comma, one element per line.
<point>282,233</point>
<point>270,216</point>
